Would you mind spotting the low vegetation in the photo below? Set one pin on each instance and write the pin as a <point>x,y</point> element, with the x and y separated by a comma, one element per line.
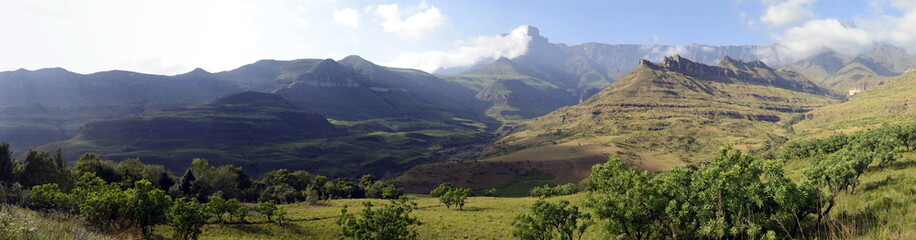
<point>838,187</point>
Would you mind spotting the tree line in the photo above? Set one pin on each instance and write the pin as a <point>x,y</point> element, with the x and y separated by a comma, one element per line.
<point>735,196</point>
<point>131,194</point>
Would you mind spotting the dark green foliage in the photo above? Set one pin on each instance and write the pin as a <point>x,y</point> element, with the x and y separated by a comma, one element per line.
<point>187,217</point>
<point>270,210</point>
<point>625,198</point>
<point>49,196</point>
<point>106,204</point>
<point>456,197</point>
<point>282,193</point>
<point>240,213</point>
<point>547,191</point>
<point>551,221</point>
<point>386,189</point>
<point>734,196</point>
<point>147,205</point>
<point>101,203</point>
<point>8,165</point>
<point>186,185</point>
<point>442,189</point>
<point>92,163</point>
<point>885,144</point>
<point>41,168</point>
<point>220,207</point>
<point>343,188</point>
<point>491,192</point>
<point>389,221</point>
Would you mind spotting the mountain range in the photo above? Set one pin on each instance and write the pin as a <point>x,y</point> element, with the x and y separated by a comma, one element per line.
<point>586,101</point>
<point>656,117</point>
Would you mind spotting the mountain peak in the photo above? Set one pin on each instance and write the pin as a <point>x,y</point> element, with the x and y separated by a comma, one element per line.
<point>325,66</point>
<point>356,61</point>
<point>197,72</point>
<point>532,31</point>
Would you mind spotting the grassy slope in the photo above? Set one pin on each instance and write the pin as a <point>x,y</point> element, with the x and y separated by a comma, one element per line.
<point>860,216</point>
<point>882,207</point>
<point>515,93</point>
<point>21,223</point>
<point>890,103</point>
<point>276,136</point>
<point>653,119</point>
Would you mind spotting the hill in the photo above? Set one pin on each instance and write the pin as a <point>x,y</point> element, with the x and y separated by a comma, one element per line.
<point>356,89</point>
<point>656,117</point>
<point>888,103</point>
<point>848,74</point>
<point>46,105</point>
<point>264,131</point>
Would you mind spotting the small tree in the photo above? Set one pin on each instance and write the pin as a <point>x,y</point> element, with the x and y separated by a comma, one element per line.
<point>8,164</point>
<point>456,196</point>
<point>551,221</point>
<point>271,211</point>
<point>148,205</point>
<point>240,213</point>
<point>442,189</point>
<point>219,206</point>
<point>390,221</point>
<point>492,192</point>
<point>188,217</point>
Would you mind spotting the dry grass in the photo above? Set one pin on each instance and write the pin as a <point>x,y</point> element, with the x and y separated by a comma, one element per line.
<point>20,223</point>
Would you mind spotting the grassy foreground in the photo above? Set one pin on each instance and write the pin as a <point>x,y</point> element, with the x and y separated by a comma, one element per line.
<point>21,223</point>
<point>883,206</point>
<point>482,218</point>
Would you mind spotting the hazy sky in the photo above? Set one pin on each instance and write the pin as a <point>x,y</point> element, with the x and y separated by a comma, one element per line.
<point>175,36</point>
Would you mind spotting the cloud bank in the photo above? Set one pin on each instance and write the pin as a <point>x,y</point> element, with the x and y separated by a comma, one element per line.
<point>798,33</point>
<point>468,52</point>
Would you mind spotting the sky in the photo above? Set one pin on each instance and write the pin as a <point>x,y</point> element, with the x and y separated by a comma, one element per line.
<point>176,36</point>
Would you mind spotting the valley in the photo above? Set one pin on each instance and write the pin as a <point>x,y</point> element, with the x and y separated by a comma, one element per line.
<point>525,137</point>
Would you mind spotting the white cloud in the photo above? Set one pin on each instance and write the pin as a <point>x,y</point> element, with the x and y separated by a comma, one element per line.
<point>468,52</point>
<point>655,38</point>
<point>788,12</point>
<point>800,40</point>
<point>168,36</point>
<point>347,17</point>
<point>657,52</point>
<point>817,35</point>
<point>412,23</point>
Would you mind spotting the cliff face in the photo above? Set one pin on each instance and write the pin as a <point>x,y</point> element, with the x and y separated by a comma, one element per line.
<point>732,70</point>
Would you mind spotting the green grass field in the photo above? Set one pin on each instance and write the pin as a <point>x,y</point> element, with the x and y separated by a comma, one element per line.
<point>482,218</point>
<point>883,206</point>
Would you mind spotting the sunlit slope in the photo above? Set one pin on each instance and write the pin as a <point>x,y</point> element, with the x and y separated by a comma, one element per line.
<point>888,103</point>
<point>656,117</point>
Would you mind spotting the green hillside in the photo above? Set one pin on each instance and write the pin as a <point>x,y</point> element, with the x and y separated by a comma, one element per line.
<point>889,103</point>
<point>656,117</point>
<point>46,105</point>
<point>264,131</point>
<point>843,73</point>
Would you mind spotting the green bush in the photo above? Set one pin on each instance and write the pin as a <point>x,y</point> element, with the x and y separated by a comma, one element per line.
<point>389,221</point>
<point>49,196</point>
<point>187,217</point>
<point>551,221</point>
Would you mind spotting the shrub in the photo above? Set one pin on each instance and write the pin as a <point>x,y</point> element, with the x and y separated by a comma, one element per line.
<point>389,221</point>
<point>187,217</point>
<point>551,221</point>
